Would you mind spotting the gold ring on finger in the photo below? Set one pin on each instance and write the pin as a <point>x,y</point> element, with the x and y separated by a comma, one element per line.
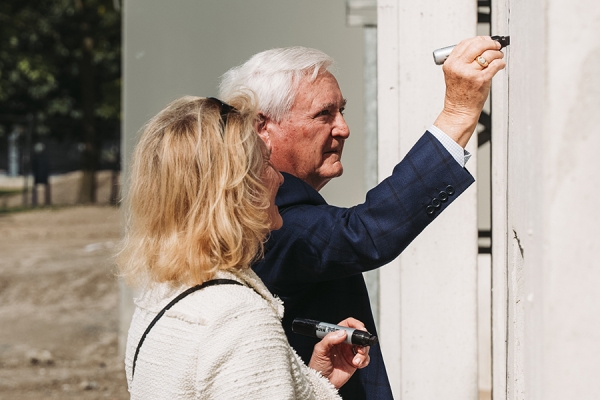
<point>482,61</point>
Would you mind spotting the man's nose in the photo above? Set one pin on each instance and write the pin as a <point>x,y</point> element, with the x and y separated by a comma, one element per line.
<point>341,129</point>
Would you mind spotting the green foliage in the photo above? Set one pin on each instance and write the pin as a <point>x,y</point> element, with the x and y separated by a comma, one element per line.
<point>60,60</point>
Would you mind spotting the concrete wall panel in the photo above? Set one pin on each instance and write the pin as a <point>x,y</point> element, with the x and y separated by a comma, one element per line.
<point>544,165</point>
<point>429,295</point>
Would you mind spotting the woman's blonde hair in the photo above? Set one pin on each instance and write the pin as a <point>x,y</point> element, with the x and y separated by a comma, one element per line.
<point>196,202</point>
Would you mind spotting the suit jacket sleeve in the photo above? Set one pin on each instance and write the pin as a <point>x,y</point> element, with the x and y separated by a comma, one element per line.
<point>319,242</point>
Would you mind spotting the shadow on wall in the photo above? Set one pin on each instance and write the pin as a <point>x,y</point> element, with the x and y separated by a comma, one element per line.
<point>64,189</point>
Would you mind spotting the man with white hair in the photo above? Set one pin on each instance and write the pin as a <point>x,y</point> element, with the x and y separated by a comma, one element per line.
<point>315,262</point>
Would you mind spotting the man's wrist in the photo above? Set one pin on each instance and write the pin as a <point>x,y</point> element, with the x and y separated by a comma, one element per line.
<point>456,151</point>
<point>459,128</point>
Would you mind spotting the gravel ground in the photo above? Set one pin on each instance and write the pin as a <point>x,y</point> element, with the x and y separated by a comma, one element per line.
<point>59,305</point>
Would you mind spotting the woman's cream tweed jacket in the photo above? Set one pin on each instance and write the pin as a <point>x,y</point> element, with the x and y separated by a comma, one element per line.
<point>221,342</point>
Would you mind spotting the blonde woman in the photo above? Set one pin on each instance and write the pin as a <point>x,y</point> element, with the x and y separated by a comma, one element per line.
<point>200,206</point>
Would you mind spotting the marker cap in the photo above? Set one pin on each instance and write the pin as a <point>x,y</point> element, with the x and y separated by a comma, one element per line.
<point>304,326</point>
<point>503,40</point>
<point>363,338</point>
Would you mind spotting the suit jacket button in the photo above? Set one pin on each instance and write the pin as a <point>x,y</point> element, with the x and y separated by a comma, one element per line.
<point>443,196</point>
<point>450,190</point>
<point>430,210</point>
<point>436,202</point>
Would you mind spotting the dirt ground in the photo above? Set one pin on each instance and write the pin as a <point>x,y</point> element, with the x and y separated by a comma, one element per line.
<point>59,305</point>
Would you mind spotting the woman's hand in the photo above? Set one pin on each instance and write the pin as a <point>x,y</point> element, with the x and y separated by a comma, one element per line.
<point>336,360</point>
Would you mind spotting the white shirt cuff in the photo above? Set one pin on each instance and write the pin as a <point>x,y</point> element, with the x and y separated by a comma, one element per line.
<point>460,155</point>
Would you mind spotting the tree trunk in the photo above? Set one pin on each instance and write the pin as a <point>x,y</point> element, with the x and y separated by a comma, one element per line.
<point>89,161</point>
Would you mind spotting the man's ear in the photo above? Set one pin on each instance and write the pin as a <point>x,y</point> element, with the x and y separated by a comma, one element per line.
<point>262,128</point>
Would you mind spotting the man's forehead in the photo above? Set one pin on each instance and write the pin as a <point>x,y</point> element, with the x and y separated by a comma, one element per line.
<point>322,92</point>
<point>323,78</point>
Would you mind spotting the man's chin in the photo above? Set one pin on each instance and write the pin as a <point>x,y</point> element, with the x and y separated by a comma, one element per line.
<point>324,175</point>
<point>337,170</point>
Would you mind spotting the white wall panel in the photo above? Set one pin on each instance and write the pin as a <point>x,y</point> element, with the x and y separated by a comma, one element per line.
<point>568,253</point>
<point>428,295</point>
<point>546,301</point>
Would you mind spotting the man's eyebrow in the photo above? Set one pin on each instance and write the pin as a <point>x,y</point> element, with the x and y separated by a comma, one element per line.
<point>329,105</point>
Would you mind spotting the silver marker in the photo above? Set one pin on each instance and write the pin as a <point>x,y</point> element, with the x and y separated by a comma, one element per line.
<point>309,327</point>
<point>440,55</point>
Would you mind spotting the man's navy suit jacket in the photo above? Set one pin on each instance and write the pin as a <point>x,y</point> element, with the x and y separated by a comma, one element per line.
<point>314,263</point>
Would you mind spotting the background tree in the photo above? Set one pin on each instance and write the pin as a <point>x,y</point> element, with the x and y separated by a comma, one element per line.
<point>60,61</point>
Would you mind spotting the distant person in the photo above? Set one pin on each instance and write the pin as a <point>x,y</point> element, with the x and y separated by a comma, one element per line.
<point>41,173</point>
<point>201,203</point>
<point>316,261</point>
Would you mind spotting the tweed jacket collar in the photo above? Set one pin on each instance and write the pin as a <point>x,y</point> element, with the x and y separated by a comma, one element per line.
<point>156,296</point>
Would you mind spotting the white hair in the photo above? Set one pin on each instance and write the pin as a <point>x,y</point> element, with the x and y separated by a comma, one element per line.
<point>273,75</point>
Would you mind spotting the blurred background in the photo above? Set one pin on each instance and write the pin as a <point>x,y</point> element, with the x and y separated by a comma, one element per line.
<point>60,132</point>
<point>60,98</point>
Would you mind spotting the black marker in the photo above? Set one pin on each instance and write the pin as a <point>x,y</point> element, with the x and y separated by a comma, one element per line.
<point>440,55</point>
<point>318,329</point>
